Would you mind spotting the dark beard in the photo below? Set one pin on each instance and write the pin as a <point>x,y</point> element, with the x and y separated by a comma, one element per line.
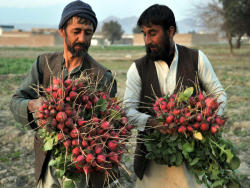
<point>81,52</point>
<point>162,52</point>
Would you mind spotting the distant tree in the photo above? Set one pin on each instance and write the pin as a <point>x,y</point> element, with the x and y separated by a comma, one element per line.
<point>112,31</point>
<point>136,29</point>
<point>230,16</point>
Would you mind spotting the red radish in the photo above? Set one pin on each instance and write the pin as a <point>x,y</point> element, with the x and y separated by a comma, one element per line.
<point>95,120</point>
<point>98,150</point>
<point>76,151</point>
<point>99,131</point>
<point>41,108</point>
<point>182,129</point>
<point>105,125</point>
<point>67,144</point>
<point>54,95</point>
<point>198,117</point>
<point>72,95</point>
<point>124,131</point>
<point>55,88</point>
<point>101,159</point>
<point>204,126</point>
<point>88,105</point>
<point>201,97</point>
<point>124,120</point>
<point>60,105</point>
<point>129,127</point>
<point>85,144</point>
<point>208,111</point>
<point>40,116</point>
<point>60,136</point>
<point>114,157</point>
<point>170,119</point>
<point>60,92</point>
<point>68,111</point>
<point>60,126</point>
<point>182,120</point>
<point>65,130</point>
<point>61,116</point>
<point>81,122</point>
<point>80,159</point>
<point>74,133</point>
<point>75,142</point>
<point>54,123</point>
<point>106,135</point>
<point>68,82</point>
<point>189,128</point>
<point>176,112</point>
<point>89,158</point>
<point>196,125</point>
<point>112,145</point>
<point>85,98</point>
<point>95,99</point>
<point>170,105</point>
<point>163,105</point>
<point>68,122</point>
<point>53,112</point>
<point>219,121</point>
<point>56,81</point>
<point>213,129</point>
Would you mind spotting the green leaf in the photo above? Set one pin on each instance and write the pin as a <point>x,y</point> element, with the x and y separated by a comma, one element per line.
<point>217,183</point>
<point>233,185</point>
<point>52,162</point>
<point>68,184</point>
<point>194,161</point>
<point>184,96</point>
<point>234,163</point>
<point>116,115</point>
<point>48,145</point>
<point>172,158</point>
<point>149,147</point>
<point>179,159</point>
<point>102,104</point>
<point>187,147</point>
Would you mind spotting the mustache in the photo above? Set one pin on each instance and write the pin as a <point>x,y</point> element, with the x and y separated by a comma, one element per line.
<point>82,45</point>
<point>151,46</point>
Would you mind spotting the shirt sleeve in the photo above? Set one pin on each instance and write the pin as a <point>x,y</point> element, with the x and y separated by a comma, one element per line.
<point>132,99</point>
<point>210,82</point>
<point>26,92</point>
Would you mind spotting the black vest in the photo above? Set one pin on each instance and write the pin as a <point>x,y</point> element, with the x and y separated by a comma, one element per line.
<point>186,77</point>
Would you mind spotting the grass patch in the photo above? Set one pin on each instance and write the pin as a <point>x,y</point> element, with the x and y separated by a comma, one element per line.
<point>15,65</point>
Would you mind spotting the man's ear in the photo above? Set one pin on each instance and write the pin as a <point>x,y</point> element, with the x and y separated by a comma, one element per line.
<point>62,32</point>
<point>171,31</point>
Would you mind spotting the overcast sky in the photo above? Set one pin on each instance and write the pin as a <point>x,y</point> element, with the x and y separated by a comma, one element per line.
<point>49,11</point>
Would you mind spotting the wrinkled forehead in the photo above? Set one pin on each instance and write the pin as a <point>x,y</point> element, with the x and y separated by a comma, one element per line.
<point>79,20</point>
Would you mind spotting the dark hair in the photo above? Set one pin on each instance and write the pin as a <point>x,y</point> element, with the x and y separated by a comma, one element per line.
<point>157,15</point>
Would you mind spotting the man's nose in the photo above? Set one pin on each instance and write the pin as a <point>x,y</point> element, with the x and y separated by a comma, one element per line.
<point>81,38</point>
<point>147,40</point>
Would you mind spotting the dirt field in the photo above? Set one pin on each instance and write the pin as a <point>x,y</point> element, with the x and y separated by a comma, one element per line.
<point>16,142</point>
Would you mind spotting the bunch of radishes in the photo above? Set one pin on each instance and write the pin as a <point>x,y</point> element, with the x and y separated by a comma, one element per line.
<point>193,113</point>
<point>89,123</point>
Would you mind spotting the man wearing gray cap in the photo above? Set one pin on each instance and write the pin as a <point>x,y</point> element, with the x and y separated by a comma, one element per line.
<point>77,26</point>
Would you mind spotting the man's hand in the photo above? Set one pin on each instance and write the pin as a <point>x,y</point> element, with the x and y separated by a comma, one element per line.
<point>34,105</point>
<point>153,123</point>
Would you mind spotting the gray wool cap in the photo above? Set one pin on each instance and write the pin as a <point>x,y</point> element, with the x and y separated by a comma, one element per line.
<point>78,8</point>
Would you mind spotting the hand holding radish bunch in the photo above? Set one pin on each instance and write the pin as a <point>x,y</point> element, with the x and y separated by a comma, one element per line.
<point>89,129</point>
<point>193,138</point>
